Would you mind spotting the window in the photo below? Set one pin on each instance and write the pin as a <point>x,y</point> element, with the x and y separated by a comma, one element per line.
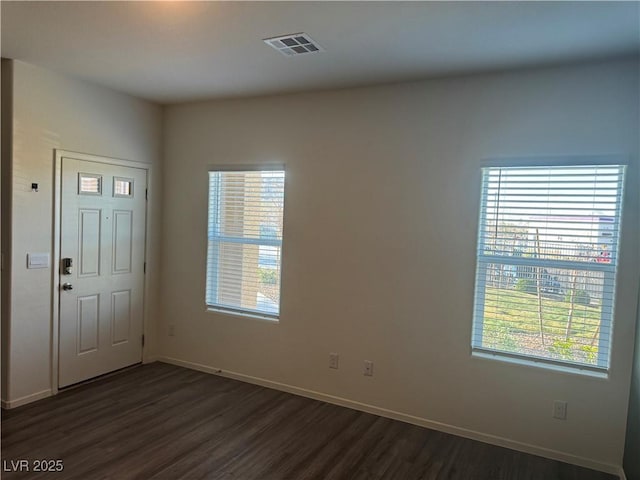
<point>245,241</point>
<point>89,184</point>
<point>546,263</point>
<point>122,187</point>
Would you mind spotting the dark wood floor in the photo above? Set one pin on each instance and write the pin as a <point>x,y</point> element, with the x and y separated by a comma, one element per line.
<point>159,421</point>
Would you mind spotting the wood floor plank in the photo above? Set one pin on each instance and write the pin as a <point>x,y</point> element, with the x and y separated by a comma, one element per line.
<point>162,422</point>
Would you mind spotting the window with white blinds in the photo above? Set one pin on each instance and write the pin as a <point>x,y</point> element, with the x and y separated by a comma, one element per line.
<point>546,263</point>
<point>245,241</point>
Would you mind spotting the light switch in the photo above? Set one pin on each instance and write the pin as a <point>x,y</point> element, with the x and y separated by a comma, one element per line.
<point>37,260</point>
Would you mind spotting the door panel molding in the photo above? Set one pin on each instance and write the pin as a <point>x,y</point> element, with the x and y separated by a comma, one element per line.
<point>122,248</point>
<point>89,228</point>
<point>57,279</point>
<point>88,317</point>
<point>120,317</point>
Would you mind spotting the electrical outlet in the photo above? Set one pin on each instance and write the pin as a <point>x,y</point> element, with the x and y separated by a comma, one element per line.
<point>560,409</point>
<point>171,330</point>
<point>368,368</point>
<point>333,360</point>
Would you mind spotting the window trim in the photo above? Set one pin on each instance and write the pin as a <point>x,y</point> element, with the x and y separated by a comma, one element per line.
<point>555,161</point>
<point>246,313</point>
<point>536,362</point>
<point>603,365</point>
<point>128,180</point>
<point>228,309</point>
<point>95,176</point>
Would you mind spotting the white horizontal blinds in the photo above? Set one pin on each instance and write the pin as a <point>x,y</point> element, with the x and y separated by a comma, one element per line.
<point>547,259</point>
<point>245,240</point>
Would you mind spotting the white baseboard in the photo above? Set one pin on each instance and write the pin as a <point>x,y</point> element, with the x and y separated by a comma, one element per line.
<point>8,404</point>
<point>621,474</point>
<point>150,359</point>
<point>403,417</point>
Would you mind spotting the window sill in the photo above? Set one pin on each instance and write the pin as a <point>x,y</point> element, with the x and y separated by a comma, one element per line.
<point>251,315</point>
<point>535,363</point>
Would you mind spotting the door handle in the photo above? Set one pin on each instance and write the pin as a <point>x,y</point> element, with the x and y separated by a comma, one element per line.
<point>67,286</point>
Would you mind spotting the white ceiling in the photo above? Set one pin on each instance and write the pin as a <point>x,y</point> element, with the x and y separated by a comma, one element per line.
<point>179,51</point>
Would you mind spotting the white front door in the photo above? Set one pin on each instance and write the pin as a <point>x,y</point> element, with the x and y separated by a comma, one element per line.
<point>101,282</point>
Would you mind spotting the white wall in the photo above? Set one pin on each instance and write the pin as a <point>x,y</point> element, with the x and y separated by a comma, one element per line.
<point>53,111</point>
<point>632,444</point>
<point>380,225</point>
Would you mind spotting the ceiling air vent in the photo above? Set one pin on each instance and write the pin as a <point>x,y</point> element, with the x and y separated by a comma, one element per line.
<point>294,44</point>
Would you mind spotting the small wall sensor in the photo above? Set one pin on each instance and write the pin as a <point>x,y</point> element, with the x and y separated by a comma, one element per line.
<point>34,187</point>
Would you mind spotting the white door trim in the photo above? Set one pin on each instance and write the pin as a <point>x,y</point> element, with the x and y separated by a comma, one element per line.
<point>55,270</point>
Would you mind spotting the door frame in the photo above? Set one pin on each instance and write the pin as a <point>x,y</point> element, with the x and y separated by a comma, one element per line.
<point>59,154</point>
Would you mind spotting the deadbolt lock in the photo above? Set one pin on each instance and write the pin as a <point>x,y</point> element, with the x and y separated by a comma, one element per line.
<point>67,266</point>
